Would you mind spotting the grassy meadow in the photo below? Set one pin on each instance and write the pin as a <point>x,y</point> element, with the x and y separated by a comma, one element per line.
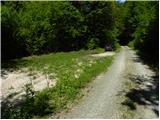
<point>71,70</point>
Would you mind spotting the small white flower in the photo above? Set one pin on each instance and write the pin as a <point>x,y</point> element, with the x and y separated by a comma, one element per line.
<point>76,76</point>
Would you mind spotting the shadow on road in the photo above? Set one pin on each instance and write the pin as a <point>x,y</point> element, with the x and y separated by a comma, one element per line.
<point>147,94</point>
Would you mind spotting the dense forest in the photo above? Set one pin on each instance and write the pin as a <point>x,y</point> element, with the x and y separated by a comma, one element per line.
<point>34,28</point>
<point>49,54</point>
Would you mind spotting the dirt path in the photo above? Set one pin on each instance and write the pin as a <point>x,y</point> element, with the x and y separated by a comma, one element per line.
<point>103,101</point>
<point>105,54</point>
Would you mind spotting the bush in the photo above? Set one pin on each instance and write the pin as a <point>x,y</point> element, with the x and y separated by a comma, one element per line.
<point>93,43</point>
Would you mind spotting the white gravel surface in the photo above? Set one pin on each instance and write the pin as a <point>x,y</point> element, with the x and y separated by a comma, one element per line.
<point>105,54</point>
<point>14,82</point>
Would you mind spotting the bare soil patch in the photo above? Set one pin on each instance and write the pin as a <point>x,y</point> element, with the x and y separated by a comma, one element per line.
<point>13,83</point>
<point>105,54</point>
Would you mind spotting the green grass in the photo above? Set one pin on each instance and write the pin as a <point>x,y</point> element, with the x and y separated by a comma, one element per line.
<point>131,44</point>
<point>72,70</point>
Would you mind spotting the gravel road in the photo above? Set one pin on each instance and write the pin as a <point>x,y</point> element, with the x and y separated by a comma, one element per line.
<point>103,102</point>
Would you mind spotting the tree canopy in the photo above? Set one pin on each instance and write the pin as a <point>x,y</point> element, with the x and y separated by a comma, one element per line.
<point>41,27</point>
